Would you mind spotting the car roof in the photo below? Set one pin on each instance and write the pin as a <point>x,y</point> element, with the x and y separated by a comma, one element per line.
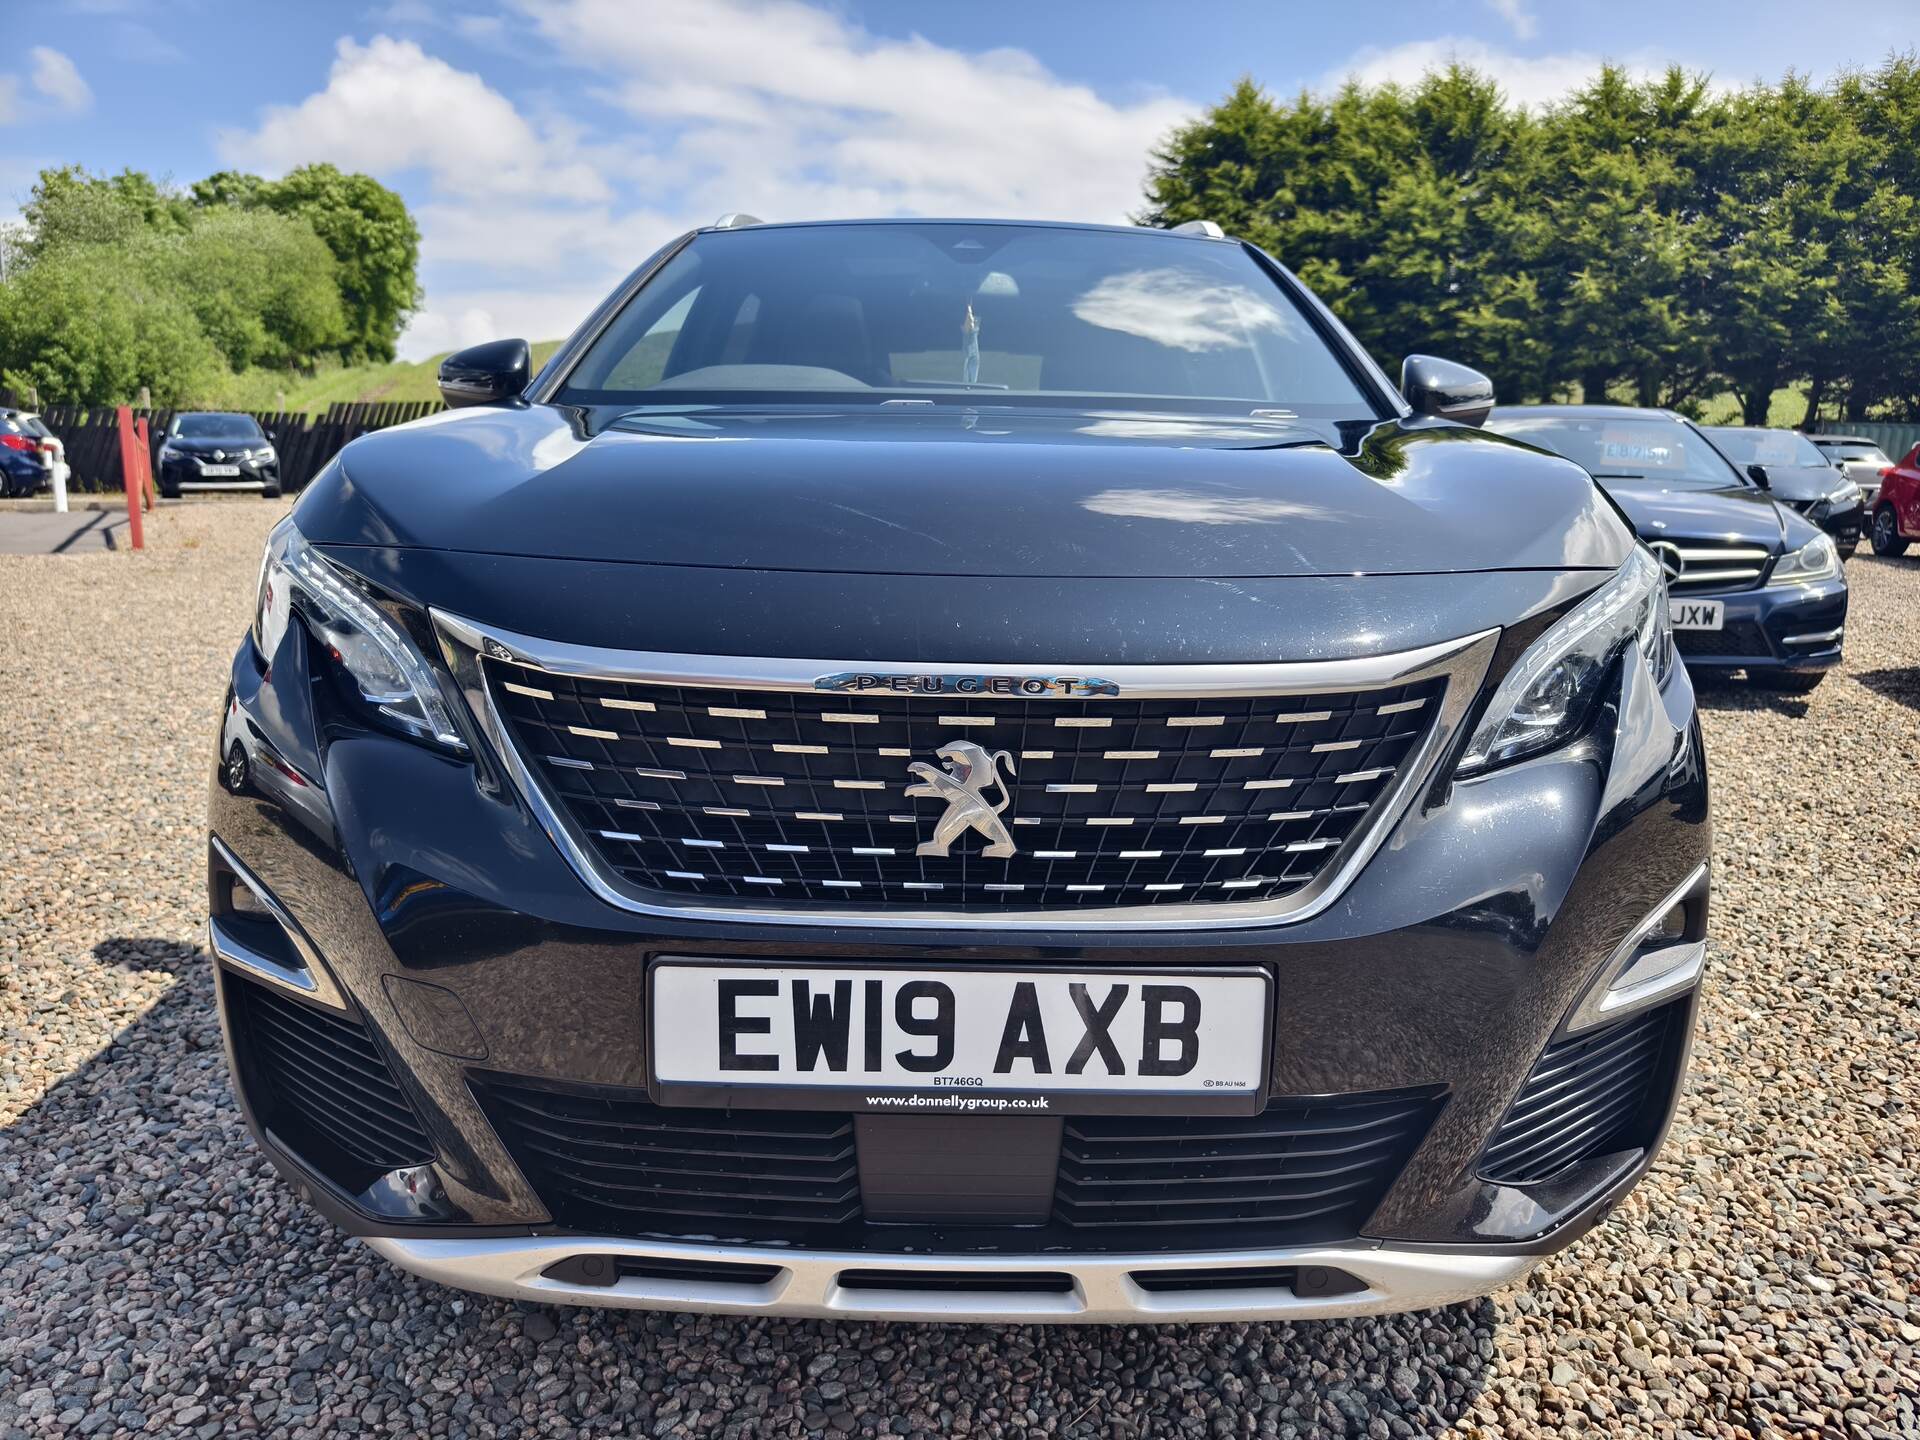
<point>918,220</point>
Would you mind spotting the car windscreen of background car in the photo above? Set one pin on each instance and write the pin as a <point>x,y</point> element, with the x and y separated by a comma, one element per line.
<point>1632,447</point>
<point>210,427</point>
<point>1787,448</point>
<point>984,310</point>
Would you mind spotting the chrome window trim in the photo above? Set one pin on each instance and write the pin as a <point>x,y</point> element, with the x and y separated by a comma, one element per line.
<point>1463,662</point>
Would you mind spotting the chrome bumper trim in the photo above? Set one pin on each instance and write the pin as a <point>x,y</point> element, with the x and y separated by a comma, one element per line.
<point>1817,637</point>
<point>312,982</point>
<point>807,1283</point>
<point>1463,662</point>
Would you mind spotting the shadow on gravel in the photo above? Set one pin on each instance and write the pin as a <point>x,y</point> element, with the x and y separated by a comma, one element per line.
<point>175,1285</point>
<point>1723,693</point>
<point>169,957</point>
<point>1902,686</point>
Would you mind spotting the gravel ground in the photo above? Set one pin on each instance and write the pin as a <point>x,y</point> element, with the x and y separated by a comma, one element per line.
<point>156,1278</point>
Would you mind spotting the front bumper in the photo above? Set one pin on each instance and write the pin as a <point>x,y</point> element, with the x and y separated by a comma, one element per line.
<point>1445,968</point>
<point>181,472</point>
<point>1772,627</point>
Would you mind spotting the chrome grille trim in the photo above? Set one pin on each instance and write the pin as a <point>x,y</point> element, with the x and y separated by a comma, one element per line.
<point>1461,663</point>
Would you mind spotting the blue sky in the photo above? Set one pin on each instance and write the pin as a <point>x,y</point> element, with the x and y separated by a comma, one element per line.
<point>547,145</point>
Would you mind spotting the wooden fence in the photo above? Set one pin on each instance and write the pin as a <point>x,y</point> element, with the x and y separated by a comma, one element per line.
<point>304,442</point>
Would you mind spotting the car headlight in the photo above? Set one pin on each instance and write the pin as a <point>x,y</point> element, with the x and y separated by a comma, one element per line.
<point>265,452</point>
<point>388,670</point>
<point>1847,494</point>
<point>1545,699</point>
<point>1815,560</point>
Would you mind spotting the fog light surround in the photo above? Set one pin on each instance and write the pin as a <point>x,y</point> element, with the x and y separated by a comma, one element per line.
<point>1661,957</point>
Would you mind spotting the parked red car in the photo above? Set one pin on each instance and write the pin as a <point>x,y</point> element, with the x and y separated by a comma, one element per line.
<point>1896,510</point>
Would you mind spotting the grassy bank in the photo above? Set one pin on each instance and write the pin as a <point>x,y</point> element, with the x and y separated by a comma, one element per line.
<point>339,384</point>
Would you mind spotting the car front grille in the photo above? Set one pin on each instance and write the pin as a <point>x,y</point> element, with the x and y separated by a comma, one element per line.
<point>318,1082</point>
<point>1587,1095</point>
<point>608,1161</point>
<point>800,796</point>
<point>1710,566</point>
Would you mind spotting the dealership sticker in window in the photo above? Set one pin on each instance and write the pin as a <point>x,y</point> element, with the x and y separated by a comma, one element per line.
<point>1638,449</point>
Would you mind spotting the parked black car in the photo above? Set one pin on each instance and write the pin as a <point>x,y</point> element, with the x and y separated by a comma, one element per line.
<point>1754,586</point>
<point>205,450</point>
<point>959,769</point>
<point>1797,475</point>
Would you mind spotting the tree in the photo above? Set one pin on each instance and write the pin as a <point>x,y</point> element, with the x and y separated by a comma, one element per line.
<point>83,325</point>
<point>375,245</point>
<point>262,286</point>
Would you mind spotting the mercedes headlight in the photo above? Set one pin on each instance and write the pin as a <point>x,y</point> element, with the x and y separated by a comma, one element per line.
<point>1545,699</point>
<point>1815,560</point>
<point>385,667</point>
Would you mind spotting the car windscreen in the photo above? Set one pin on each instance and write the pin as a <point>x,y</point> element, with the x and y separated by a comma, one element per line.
<point>1872,454</point>
<point>1652,448</point>
<point>987,312</point>
<point>1749,445</point>
<point>213,427</point>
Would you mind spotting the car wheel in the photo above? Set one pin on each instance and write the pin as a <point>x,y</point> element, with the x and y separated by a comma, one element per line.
<point>1787,682</point>
<point>269,492</point>
<point>234,773</point>
<point>1886,533</point>
<point>167,492</point>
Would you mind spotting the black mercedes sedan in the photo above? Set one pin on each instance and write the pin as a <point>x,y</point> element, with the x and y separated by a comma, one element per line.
<point>959,770</point>
<point>1799,476</point>
<point>215,450</point>
<point>1754,585</point>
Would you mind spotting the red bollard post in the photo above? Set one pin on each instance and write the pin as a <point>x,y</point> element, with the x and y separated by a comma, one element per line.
<point>130,476</point>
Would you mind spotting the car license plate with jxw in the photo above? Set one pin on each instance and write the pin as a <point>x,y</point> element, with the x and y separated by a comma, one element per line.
<point>215,471</point>
<point>1696,614</point>
<point>916,1040</point>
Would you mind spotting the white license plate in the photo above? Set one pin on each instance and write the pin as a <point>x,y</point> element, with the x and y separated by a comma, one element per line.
<point>219,470</point>
<point>892,1039</point>
<point>1696,614</point>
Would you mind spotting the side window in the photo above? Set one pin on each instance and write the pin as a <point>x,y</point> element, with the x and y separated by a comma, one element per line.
<point>646,362</point>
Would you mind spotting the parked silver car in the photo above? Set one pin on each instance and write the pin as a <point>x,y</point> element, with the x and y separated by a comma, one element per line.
<point>1857,458</point>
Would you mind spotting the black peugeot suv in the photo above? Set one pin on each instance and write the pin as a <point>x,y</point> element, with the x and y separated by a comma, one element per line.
<point>959,770</point>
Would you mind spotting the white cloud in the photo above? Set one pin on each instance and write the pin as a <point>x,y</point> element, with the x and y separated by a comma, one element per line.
<point>57,78</point>
<point>9,99</point>
<point>773,106</point>
<point>1519,19</point>
<point>458,318</point>
<point>1526,79</point>
<point>792,111</point>
<point>389,106</point>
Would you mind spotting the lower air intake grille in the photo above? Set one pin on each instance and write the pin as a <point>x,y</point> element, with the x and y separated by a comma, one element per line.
<point>1588,1095</point>
<point>813,797</point>
<point>609,1161</point>
<point>1300,1163</point>
<point>319,1083</point>
<point>1742,638</point>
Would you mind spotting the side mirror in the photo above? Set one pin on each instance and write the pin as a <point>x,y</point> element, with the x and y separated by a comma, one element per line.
<point>485,374</point>
<point>1758,474</point>
<point>1445,390</point>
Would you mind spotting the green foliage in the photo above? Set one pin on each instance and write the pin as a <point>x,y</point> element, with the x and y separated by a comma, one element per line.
<point>83,324</point>
<point>1644,240</point>
<point>117,283</point>
<point>374,242</point>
